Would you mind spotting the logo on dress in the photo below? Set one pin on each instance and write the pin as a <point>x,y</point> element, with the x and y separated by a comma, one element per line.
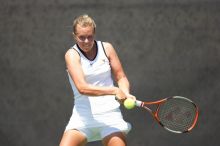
<point>98,63</point>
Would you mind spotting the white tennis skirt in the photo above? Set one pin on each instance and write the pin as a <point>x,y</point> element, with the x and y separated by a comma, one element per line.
<point>97,126</point>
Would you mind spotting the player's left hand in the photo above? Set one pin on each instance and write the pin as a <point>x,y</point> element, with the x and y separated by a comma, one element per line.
<point>128,95</point>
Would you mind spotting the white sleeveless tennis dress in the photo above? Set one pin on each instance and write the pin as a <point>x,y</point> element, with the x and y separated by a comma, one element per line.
<point>96,116</point>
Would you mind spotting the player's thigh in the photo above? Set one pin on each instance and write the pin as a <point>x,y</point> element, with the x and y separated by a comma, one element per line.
<point>73,138</point>
<point>115,139</point>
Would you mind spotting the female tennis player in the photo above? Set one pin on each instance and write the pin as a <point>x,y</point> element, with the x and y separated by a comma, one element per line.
<point>91,65</point>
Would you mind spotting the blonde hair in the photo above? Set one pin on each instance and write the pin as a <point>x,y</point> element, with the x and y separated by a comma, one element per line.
<point>83,20</point>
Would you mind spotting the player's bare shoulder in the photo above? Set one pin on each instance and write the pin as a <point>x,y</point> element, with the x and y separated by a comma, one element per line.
<point>108,48</point>
<point>71,53</point>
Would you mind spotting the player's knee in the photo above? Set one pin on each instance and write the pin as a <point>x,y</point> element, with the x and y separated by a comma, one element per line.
<point>73,138</point>
<point>114,139</point>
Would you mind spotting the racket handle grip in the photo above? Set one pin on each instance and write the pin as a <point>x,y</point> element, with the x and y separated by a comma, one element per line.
<point>138,103</point>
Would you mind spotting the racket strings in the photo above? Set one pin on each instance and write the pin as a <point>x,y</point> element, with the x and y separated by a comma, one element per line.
<point>177,114</point>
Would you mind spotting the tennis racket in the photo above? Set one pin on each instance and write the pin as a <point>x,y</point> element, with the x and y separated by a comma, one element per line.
<point>176,114</point>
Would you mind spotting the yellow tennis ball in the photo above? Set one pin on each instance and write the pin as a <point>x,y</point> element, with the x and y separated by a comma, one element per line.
<point>129,103</point>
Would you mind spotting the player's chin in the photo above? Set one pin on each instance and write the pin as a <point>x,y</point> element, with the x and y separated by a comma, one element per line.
<point>86,48</point>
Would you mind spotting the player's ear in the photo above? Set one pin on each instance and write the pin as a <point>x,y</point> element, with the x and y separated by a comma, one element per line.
<point>74,36</point>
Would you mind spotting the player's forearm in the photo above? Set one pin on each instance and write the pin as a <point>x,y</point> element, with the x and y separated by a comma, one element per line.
<point>124,85</point>
<point>97,90</point>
